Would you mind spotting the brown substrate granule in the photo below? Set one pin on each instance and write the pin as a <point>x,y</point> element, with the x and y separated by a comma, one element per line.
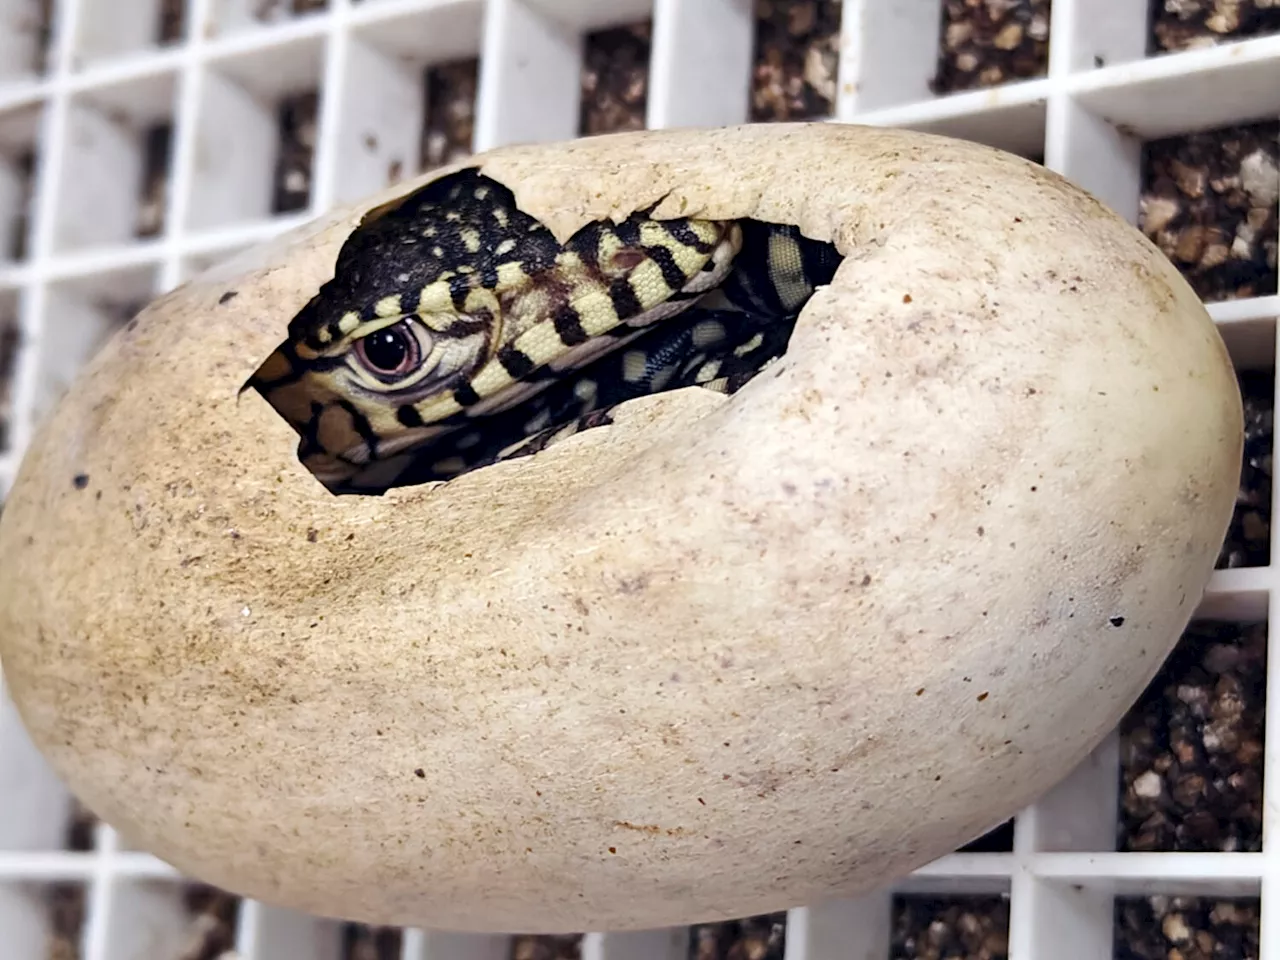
<point>155,180</point>
<point>985,43</point>
<point>450,114</point>
<point>1186,928</point>
<point>171,28</point>
<point>751,938</point>
<point>82,826</point>
<point>950,928</point>
<point>297,146</point>
<point>998,840</point>
<point>19,238</point>
<point>566,946</point>
<point>271,11</point>
<point>1248,541</point>
<point>42,28</point>
<point>361,942</point>
<point>1191,747</point>
<point>797,59</point>
<point>10,340</point>
<point>1187,24</point>
<point>66,920</point>
<point>1209,202</point>
<point>212,931</point>
<point>615,79</point>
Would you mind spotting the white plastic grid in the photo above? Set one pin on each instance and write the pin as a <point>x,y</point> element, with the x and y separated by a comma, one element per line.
<point>108,81</point>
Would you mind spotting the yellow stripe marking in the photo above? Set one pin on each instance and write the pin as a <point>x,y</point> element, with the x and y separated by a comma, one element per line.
<point>633,364</point>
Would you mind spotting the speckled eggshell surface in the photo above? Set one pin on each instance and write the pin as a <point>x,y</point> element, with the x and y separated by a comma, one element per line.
<point>722,657</point>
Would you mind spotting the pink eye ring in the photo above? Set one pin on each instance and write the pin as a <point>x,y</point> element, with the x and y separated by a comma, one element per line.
<point>390,352</point>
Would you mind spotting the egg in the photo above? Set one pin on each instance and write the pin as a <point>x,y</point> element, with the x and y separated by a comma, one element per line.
<point>723,656</point>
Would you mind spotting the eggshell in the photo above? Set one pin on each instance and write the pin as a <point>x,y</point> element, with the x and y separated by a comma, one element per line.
<point>723,657</point>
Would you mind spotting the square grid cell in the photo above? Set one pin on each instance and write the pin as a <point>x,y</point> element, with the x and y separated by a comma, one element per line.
<point>141,142</point>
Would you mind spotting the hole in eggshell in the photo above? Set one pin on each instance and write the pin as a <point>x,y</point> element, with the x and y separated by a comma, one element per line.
<point>411,411</point>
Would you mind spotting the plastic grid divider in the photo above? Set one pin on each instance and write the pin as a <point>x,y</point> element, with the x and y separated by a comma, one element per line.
<point>107,81</point>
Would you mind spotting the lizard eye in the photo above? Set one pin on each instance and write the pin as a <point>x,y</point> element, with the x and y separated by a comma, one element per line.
<point>390,353</point>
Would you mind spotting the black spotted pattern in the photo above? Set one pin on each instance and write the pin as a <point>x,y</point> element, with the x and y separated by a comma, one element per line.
<point>518,364</point>
<point>568,324</point>
<point>669,349</point>
<point>408,416</point>
<point>623,295</point>
<point>466,395</point>
<point>412,245</point>
<point>672,275</point>
<point>750,285</point>
<point>470,220</point>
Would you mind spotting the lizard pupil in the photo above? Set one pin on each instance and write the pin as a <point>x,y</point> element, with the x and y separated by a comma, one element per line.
<point>386,350</point>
